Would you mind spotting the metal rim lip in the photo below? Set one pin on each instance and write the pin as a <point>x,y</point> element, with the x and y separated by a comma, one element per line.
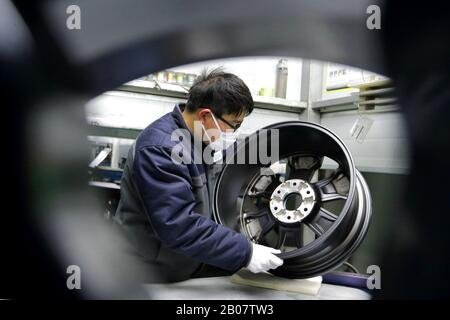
<point>337,235</point>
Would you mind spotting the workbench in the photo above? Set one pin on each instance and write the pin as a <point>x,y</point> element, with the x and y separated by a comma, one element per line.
<point>221,288</point>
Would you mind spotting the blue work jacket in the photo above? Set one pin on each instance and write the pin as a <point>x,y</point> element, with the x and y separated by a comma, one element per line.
<point>165,207</point>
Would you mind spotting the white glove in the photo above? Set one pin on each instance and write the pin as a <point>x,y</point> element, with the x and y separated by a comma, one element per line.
<point>263,259</point>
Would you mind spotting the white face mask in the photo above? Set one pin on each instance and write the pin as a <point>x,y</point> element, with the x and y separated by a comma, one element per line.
<point>224,140</point>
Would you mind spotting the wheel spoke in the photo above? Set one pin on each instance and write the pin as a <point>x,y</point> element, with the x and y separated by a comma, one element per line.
<point>303,167</point>
<point>321,222</point>
<point>327,188</point>
<point>263,194</point>
<point>281,237</point>
<point>324,182</point>
<point>255,214</point>
<point>316,228</point>
<point>327,215</point>
<point>265,228</point>
<point>298,237</point>
<point>325,197</point>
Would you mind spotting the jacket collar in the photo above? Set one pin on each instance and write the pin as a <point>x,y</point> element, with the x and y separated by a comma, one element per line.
<point>179,120</point>
<point>178,116</point>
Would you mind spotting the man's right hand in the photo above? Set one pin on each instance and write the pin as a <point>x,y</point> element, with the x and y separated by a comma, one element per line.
<point>263,259</point>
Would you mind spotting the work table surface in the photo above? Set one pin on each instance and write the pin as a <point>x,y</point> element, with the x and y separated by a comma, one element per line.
<point>221,288</point>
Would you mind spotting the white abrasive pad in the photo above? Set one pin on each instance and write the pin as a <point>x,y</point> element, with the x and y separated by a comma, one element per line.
<point>309,286</point>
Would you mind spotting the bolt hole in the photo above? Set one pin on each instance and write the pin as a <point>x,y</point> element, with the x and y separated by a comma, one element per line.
<point>305,209</point>
<point>278,191</point>
<point>289,218</point>
<point>308,192</point>
<point>295,183</point>
<point>276,208</point>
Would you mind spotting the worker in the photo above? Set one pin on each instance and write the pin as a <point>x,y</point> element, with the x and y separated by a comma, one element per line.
<point>165,208</point>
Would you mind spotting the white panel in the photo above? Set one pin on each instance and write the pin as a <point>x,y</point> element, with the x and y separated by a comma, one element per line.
<point>260,118</point>
<point>127,110</point>
<point>385,146</point>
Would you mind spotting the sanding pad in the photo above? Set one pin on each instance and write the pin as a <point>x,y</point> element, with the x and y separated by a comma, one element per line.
<point>309,286</point>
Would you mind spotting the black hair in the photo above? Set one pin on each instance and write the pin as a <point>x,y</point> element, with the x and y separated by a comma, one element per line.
<point>224,93</point>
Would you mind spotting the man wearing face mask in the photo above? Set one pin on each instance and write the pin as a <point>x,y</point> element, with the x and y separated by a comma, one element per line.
<point>165,207</point>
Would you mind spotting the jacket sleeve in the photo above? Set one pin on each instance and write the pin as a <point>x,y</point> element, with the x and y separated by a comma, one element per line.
<point>166,190</point>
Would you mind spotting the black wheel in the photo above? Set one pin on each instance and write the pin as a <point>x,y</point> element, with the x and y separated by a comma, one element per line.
<point>317,218</point>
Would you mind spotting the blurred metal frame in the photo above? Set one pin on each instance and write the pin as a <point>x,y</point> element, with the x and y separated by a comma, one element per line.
<point>48,72</point>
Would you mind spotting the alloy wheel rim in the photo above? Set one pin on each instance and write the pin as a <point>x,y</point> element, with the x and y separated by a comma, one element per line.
<point>246,199</point>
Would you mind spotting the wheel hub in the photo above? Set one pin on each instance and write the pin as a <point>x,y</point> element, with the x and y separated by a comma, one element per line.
<point>292,201</point>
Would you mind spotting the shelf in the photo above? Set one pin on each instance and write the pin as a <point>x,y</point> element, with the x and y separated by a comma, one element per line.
<point>352,102</point>
<point>107,185</point>
<point>337,104</point>
<point>122,133</point>
<point>176,91</point>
